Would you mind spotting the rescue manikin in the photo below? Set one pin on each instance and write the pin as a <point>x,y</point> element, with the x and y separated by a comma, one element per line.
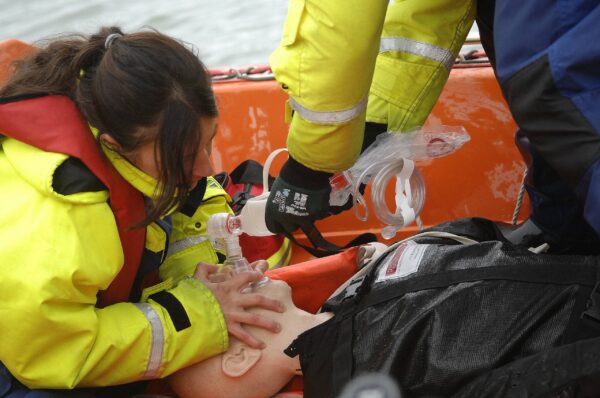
<point>242,369</point>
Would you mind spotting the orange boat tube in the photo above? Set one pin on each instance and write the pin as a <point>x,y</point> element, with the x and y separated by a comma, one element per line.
<point>482,179</point>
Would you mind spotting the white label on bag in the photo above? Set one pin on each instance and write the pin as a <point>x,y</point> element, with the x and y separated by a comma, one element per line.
<point>405,260</point>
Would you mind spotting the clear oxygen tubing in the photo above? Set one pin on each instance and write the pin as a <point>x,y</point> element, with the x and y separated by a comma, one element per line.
<point>393,155</point>
<point>409,194</point>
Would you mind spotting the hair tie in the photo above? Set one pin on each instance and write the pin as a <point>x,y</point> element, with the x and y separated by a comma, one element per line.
<point>110,39</point>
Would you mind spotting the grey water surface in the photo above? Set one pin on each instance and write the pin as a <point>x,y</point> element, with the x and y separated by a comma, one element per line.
<point>226,33</point>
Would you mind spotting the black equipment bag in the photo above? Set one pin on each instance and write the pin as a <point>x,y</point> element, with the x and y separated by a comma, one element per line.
<point>446,319</point>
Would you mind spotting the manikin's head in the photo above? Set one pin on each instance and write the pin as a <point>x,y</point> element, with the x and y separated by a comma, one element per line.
<point>245,372</point>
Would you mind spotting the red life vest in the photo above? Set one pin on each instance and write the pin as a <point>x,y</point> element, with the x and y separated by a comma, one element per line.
<point>53,124</point>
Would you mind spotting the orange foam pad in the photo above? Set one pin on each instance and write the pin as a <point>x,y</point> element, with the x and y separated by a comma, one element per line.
<point>313,281</point>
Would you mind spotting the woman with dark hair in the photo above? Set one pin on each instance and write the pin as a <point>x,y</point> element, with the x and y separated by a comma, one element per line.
<point>104,157</point>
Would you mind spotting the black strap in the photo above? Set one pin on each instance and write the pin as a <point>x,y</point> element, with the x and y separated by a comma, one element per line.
<point>559,274</point>
<point>222,178</point>
<point>292,350</point>
<point>322,247</point>
<point>174,307</point>
<point>247,172</point>
<point>578,328</point>
<point>194,198</point>
<point>151,261</point>
<point>239,199</point>
<point>592,312</point>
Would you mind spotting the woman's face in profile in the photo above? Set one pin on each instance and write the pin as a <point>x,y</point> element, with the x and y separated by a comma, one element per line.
<point>199,166</point>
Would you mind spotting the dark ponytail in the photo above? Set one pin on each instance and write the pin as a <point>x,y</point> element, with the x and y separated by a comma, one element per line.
<point>56,67</point>
<point>126,86</point>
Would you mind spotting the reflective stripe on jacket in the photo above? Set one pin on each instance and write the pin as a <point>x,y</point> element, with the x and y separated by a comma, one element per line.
<point>326,62</point>
<point>189,243</point>
<point>58,252</point>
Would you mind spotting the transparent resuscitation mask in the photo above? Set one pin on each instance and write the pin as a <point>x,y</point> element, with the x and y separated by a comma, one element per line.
<point>224,230</point>
<point>391,157</point>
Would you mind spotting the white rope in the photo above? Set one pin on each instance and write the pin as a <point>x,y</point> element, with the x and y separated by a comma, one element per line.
<point>520,197</point>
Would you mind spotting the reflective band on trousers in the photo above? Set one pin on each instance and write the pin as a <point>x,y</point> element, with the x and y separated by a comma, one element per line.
<point>158,341</point>
<point>425,50</point>
<point>335,117</point>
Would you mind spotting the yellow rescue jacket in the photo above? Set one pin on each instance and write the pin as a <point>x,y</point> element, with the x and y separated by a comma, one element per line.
<point>336,57</point>
<point>60,249</point>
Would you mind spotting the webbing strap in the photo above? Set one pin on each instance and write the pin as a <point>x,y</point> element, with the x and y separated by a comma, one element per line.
<point>248,172</point>
<point>558,274</point>
<point>322,247</point>
<point>592,312</point>
<point>194,198</point>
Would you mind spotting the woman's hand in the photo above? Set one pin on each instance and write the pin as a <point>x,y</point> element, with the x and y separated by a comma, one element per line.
<point>225,273</point>
<point>234,303</point>
<point>260,265</point>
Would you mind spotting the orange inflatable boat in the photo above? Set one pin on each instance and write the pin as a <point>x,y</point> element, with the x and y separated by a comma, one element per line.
<point>483,178</point>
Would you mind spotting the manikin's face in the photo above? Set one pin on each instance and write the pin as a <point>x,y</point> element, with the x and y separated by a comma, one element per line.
<point>244,372</point>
